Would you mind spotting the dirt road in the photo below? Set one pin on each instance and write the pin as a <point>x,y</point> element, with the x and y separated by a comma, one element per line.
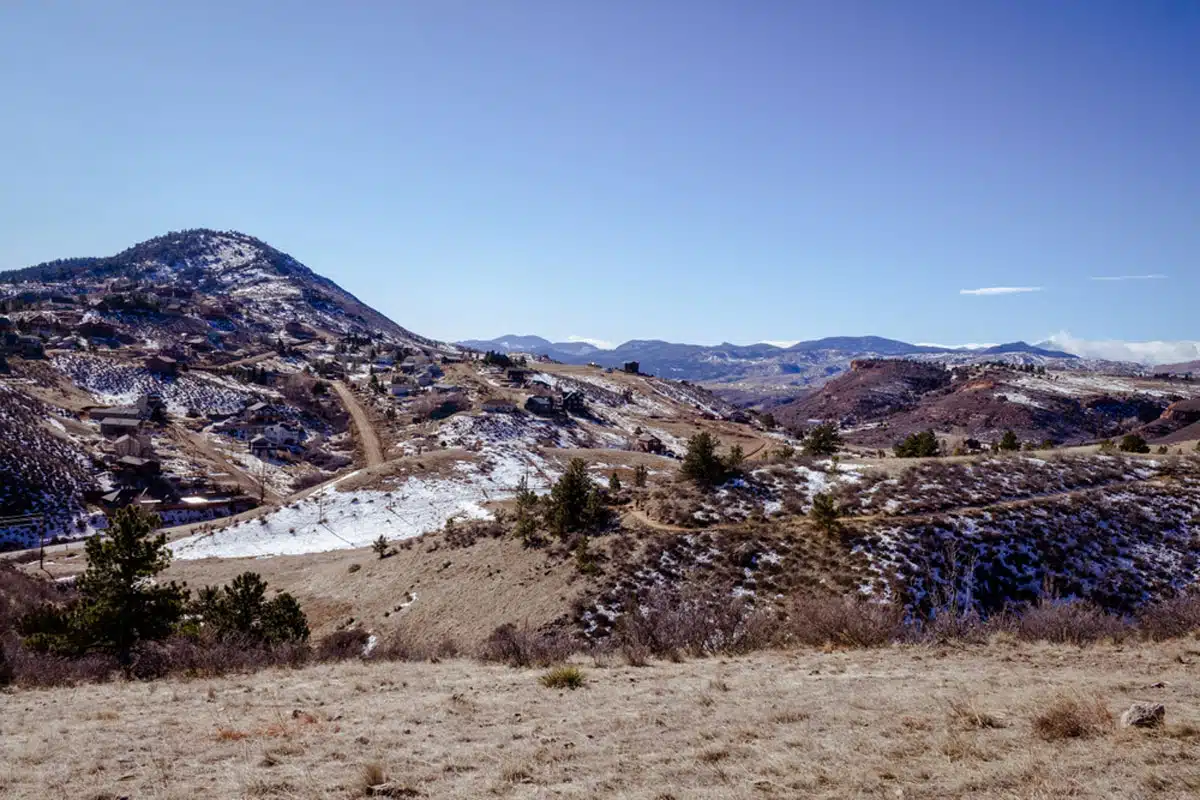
<point>362,425</point>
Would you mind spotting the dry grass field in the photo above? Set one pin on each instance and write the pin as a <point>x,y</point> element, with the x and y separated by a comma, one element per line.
<point>985,722</point>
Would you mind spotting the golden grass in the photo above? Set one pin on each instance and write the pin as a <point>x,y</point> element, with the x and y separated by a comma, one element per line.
<point>887,722</point>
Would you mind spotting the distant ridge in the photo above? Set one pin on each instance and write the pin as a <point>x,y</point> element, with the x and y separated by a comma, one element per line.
<point>806,363</point>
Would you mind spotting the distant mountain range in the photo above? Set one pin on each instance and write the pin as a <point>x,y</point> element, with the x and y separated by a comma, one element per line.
<point>764,365</point>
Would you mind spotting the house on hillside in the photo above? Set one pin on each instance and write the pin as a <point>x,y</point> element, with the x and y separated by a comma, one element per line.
<point>518,376</point>
<point>128,467</point>
<point>133,445</point>
<point>496,405</point>
<point>31,347</point>
<point>96,329</point>
<point>632,367</point>
<point>540,404</point>
<point>162,365</point>
<point>117,426</point>
<point>646,443</point>
<point>574,402</point>
<point>299,330</point>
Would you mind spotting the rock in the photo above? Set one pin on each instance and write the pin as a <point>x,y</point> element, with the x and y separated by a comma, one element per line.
<point>1144,715</point>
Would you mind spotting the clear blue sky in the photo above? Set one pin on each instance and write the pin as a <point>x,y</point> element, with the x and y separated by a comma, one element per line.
<point>687,170</point>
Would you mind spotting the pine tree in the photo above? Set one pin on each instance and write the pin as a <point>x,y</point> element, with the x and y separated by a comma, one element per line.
<point>1009,442</point>
<point>614,482</point>
<point>241,610</point>
<point>825,513</point>
<point>733,461</point>
<point>823,440</point>
<point>640,475</point>
<point>573,500</point>
<point>119,603</point>
<point>701,463</point>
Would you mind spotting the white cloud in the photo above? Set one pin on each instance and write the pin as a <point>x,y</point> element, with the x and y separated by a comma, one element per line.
<point>601,343</point>
<point>1156,352</point>
<point>990,290</point>
<point>1154,277</point>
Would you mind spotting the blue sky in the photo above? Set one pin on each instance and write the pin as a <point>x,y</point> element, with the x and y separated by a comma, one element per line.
<point>691,170</point>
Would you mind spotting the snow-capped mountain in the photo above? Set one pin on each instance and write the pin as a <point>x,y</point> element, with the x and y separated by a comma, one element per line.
<point>807,363</point>
<point>204,282</point>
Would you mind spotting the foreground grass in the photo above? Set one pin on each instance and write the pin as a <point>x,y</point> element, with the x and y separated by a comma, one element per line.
<point>900,721</point>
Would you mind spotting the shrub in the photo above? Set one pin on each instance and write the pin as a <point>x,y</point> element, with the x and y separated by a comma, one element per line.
<point>242,610</point>
<point>565,677</point>
<point>1075,622</point>
<point>343,645</point>
<point>1133,443</point>
<point>823,440</point>
<point>521,647</point>
<point>665,623</point>
<point>918,445</point>
<point>817,621</point>
<point>380,546</point>
<point>1170,619</point>
<point>1072,717</point>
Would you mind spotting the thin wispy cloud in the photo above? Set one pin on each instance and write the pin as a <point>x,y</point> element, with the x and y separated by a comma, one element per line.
<point>1154,277</point>
<point>991,290</point>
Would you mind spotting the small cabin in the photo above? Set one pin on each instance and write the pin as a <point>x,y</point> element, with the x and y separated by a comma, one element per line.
<point>498,406</point>
<point>650,444</point>
<point>162,365</point>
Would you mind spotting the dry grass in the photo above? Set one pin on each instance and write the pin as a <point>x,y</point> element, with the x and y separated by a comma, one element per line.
<point>803,723</point>
<point>1073,716</point>
<point>564,677</point>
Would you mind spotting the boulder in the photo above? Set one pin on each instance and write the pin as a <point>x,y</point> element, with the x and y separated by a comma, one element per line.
<point>1144,715</point>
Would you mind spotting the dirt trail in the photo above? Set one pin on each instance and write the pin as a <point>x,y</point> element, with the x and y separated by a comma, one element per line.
<point>247,482</point>
<point>362,425</point>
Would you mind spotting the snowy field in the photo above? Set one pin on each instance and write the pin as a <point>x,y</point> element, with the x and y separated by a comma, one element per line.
<point>334,520</point>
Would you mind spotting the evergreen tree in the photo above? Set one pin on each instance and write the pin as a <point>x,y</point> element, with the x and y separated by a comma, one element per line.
<point>823,440</point>
<point>527,510</point>
<point>701,463</point>
<point>640,475</point>
<point>919,445</point>
<point>733,461</point>
<point>241,610</point>
<point>825,513</point>
<point>574,503</point>
<point>119,603</point>
<point>1134,444</point>
<point>1009,442</point>
<point>614,482</point>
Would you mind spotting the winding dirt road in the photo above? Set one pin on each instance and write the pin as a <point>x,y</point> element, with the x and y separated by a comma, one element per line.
<point>362,425</point>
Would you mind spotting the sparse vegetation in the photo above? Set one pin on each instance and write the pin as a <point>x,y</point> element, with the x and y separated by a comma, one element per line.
<point>1072,716</point>
<point>1009,442</point>
<point>563,677</point>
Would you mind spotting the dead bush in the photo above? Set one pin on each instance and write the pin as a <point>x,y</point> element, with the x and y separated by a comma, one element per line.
<point>1171,619</point>
<point>522,647</point>
<point>1069,716</point>
<point>1074,622</point>
<point>843,622</point>
<point>343,645</point>
<point>666,623</point>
